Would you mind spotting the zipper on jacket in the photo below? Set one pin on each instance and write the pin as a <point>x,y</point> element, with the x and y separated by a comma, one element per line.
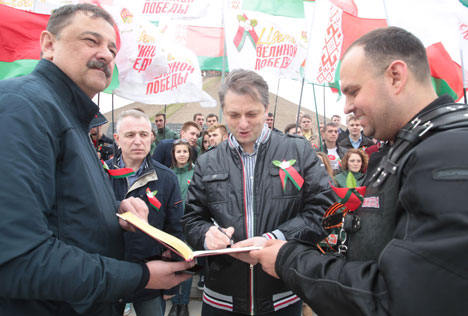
<point>246,212</point>
<point>251,290</point>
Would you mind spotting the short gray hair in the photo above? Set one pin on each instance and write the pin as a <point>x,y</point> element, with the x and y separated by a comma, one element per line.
<point>244,82</point>
<point>133,113</point>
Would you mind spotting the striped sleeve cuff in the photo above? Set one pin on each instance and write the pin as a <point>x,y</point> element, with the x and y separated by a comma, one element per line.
<point>276,234</point>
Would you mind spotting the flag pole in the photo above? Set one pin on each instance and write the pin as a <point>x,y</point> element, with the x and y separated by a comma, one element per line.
<point>324,116</point>
<point>223,71</point>
<point>300,102</point>
<point>463,76</point>
<point>317,115</point>
<point>276,103</point>
<point>113,125</point>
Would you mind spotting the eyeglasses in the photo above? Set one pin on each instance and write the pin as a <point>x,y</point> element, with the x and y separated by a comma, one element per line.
<point>180,141</point>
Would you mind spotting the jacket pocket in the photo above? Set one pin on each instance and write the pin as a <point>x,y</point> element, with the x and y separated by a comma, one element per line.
<point>277,188</point>
<point>215,187</point>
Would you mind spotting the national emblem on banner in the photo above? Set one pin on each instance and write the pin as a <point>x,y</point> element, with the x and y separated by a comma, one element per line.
<point>332,48</point>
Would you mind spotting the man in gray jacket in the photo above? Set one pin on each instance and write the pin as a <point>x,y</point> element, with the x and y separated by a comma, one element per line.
<point>61,244</point>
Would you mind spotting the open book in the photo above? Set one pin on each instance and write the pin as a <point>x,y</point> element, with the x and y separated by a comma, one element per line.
<point>174,243</point>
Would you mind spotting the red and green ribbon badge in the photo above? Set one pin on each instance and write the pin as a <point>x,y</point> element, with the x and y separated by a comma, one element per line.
<point>246,29</point>
<point>152,199</point>
<point>287,171</point>
<point>118,173</point>
<point>351,197</point>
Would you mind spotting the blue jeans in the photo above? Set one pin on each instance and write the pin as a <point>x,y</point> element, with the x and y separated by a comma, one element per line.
<point>183,296</point>
<point>151,307</point>
<point>292,310</point>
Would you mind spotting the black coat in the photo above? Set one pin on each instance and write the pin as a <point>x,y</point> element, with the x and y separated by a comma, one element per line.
<point>217,191</point>
<point>60,237</point>
<point>138,245</point>
<point>410,255</point>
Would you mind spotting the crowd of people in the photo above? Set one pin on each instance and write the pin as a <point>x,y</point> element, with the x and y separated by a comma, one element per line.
<point>63,250</point>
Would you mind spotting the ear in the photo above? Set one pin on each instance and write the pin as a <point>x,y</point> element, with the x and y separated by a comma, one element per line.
<point>47,42</point>
<point>397,75</point>
<point>116,138</point>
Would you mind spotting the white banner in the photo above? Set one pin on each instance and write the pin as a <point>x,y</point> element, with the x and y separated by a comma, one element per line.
<point>152,68</point>
<point>156,10</point>
<point>273,46</point>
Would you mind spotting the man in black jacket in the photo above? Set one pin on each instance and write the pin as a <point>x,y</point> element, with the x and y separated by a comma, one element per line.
<point>407,241</point>
<point>241,185</point>
<point>61,245</point>
<point>355,139</point>
<point>133,136</point>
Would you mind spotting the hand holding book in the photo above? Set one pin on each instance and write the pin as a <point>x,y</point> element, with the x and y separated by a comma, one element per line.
<point>178,246</point>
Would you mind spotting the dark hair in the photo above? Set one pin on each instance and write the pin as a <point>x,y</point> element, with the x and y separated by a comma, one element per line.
<point>363,155</point>
<point>244,82</point>
<point>203,134</point>
<point>329,124</point>
<point>269,114</point>
<point>61,17</point>
<point>307,116</point>
<point>181,142</point>
<point>160,114</point>
<point>383,46</point>
<point>197,114</point>
<point>212,115</point>
<point>187,124</point>
<point>292,125</point>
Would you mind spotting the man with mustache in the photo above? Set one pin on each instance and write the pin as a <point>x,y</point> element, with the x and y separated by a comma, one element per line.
<point>61,245</point>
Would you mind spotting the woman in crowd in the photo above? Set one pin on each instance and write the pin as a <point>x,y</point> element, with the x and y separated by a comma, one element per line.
<point>182,165</point>
<point>326,163</point>
<point>205,143</point>
<point>354,164</point>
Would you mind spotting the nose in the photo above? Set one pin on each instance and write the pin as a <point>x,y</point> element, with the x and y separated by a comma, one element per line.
<point>138,139</point>
<point>243,123</point>
<point>349,106</point>
<point>105,54</point>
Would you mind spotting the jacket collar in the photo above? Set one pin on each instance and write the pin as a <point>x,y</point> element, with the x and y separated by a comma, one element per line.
<point>71,96</point>
<point>262,139</point>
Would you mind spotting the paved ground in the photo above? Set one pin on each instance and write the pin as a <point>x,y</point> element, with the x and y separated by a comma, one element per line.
<point>195,301</point>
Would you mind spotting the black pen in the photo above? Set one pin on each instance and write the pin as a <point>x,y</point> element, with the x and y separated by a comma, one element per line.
<point>221,230</point>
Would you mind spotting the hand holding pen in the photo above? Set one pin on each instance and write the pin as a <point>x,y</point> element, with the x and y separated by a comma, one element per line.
<point>218,238</point>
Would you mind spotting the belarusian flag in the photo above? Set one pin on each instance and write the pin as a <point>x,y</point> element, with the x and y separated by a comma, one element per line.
<point>20,33</point>
<point>268,37</point>
<point>436,24</point>
<point>208,44</point>
<point>463,24</point>
<point>20,48</point>
<point>334,29</point>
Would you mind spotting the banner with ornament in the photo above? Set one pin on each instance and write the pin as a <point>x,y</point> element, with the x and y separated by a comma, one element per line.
<point>152,67</point>
<point>272,45</point>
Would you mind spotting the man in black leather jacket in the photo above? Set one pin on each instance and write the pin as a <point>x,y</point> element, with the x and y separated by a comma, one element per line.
<point>407,251</point>
<point>238,185</point>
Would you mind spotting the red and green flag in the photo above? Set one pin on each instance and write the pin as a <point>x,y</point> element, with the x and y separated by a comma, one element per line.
<point>20,49</point>
<point>337,23</point>
<point>117,173</point>
<point>287,171</point>
<point>151,195</point>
